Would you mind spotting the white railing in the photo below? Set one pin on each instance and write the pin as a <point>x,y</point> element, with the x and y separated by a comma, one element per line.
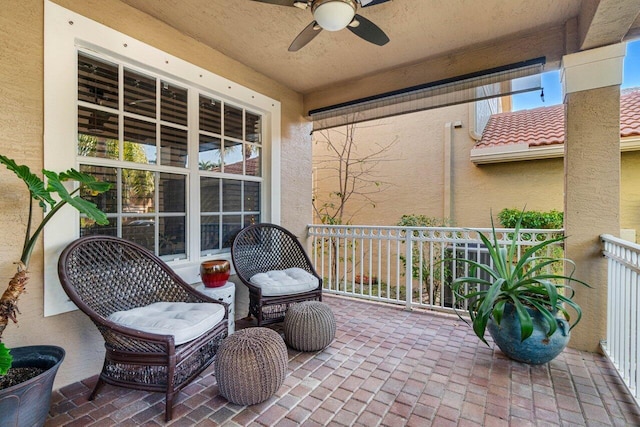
<point>622,345</point>
<point>411,266</point>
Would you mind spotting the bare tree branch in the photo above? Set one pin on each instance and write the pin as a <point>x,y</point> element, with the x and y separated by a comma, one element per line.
<point>355,174</point>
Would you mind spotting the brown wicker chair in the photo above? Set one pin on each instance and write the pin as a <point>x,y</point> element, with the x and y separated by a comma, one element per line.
<point>261,248</point>
<point>103,275</point>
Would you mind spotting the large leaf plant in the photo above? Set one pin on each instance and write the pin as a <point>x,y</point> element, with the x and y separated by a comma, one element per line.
<point>525,281</point>
<point>51,197</point>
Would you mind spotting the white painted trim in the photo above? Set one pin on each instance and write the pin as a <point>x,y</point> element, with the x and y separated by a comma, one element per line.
<point>521,152</point>
<point>64,32</point>
<point>593,68</point>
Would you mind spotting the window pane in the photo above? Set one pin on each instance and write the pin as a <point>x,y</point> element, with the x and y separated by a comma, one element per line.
<point>172,236</point>
<point>140,141</point>
<point>232,122</point>
<point>253,128</point>
<point>97,133</point>
<point>173,104</point>
<point>253,163</point>
<point>140,231</point>
<point>97,81</point>
<point>138,189</point>
<point>210,115</point>
<point>251,219</point>
<point>209,156</point>
<point>90,228</point>
<point>251,196</point>
<point>231,224</point>
<point>232,156</point>
<point>173,147</point>
<point>231,196</point>
<point>107,201</point>
<point>209,233</point>
<point>172,193</point>
<point>209,194</point>
<point>139,94</point>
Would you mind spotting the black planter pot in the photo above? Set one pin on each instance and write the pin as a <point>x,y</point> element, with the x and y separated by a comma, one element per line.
<point>27,404</point>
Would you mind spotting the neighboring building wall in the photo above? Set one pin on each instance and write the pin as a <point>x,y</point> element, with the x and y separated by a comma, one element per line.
<point>21,129</point>
<point>417,172</point>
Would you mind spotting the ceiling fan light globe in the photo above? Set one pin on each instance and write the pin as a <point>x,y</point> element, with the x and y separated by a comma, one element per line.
<point>334,15</point>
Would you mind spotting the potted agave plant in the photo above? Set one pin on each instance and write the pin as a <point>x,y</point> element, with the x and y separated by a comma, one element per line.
<point>525,304</point>
<point>27,373</point>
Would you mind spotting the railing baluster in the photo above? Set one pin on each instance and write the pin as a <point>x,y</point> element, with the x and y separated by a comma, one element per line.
<point>348,258</point>
<point>623,302</point>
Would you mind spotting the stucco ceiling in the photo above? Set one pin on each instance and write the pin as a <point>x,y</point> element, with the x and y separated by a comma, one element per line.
<point>258,34</point>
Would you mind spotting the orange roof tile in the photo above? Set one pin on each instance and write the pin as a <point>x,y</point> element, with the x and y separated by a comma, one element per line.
<point>545,125</point>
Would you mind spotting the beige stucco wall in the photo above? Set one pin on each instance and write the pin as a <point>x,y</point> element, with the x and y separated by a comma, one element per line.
<point>416,174</point>
<point>21,128</point>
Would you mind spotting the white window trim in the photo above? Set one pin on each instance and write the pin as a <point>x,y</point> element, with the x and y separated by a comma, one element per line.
<point>64,32</point>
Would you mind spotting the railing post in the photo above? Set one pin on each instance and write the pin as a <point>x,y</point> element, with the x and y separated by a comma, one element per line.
<point>408,274</point>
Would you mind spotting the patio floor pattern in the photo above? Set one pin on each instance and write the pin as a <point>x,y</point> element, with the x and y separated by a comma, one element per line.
<point>388,367</point>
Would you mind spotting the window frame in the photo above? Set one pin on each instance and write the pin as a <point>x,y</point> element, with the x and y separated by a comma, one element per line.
<point>65,33</point>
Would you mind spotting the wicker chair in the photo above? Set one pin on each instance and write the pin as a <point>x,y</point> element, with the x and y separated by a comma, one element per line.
<point>263,248</point>
<point>103,275</point>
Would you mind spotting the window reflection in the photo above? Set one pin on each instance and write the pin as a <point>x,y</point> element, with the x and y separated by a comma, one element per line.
<point>210,115</point>
<point>140,141</point>
<point>138,187</point>
<point>232,196</point>
<point>172,236</point>
<point>210,154</point>
<point>232,122</point>
<point>209,233</point>
<point>139,94</point>
<point>231,224</point>
<point>140,231</point>
<point>173,103</point>
<point>97,134</point>
<point>233,156</point>
<point>173,147</point>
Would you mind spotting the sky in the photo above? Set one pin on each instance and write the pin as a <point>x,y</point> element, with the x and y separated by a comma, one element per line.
<point>553,88</point>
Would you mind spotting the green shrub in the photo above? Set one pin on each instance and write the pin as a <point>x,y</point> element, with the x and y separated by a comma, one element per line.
<point>552,219</point>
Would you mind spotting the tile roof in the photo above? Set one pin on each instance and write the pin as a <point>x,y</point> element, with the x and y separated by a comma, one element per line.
<point>545,125</point>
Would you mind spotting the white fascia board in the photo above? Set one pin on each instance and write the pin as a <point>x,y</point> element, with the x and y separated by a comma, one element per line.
<point>520,152</point>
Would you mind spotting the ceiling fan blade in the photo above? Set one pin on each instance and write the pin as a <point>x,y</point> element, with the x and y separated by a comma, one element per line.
<point>368,31</point>
<point>365,3</point>
<point>305,36</point>
<point>278,2</point>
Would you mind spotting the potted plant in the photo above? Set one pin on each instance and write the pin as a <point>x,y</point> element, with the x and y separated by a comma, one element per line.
<point>27,373</point>
<point>523,302</point>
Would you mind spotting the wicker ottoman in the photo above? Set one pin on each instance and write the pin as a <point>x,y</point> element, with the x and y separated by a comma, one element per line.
<point>309,326</point>
<point>251,365</point>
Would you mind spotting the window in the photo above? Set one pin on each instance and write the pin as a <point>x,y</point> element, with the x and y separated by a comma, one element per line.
<point>142,145</point>
<point>193,156</point>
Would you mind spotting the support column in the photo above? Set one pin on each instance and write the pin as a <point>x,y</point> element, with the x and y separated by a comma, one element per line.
<point>591,82</point>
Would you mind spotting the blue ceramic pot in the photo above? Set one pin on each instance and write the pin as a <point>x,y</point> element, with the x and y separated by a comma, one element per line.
<point>538,348</point>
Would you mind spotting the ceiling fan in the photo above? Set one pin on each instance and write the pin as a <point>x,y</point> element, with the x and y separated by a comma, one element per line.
<point>335,15</point>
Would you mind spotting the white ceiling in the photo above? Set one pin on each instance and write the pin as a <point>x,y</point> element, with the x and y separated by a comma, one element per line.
<point>259,34</point>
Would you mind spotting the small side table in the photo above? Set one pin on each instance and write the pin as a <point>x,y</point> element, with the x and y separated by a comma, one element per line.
<point>226,293</point>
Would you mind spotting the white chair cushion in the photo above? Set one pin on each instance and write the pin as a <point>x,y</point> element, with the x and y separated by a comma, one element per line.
<point>185,321</point>
<point>285,282</point>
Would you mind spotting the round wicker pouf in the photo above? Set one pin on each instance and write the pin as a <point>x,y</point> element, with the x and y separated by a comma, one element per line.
<point>309,326</point>
<point>251,365</point>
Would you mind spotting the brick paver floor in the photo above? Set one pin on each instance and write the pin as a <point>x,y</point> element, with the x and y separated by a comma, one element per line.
<point>386,367</point>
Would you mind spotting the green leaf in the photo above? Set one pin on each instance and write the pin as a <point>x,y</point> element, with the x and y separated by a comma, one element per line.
<point>83,206</point>
<point>526,324</point>
<point>34,183</point>
<point>5,359</point>
<point>88,181</point>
